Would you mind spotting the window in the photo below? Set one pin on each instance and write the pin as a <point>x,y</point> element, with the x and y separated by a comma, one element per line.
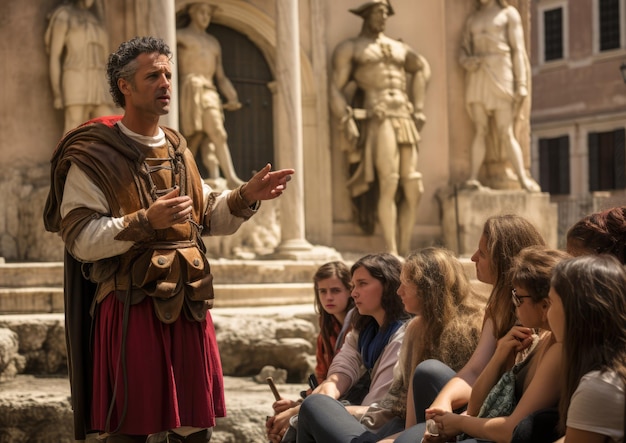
<point>607,160</point>
<point>554,176</point>
<point>553,34</point>
<point>609,24</point>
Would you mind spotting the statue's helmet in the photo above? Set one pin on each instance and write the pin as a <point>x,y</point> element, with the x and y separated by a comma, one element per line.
<point>362,10</point>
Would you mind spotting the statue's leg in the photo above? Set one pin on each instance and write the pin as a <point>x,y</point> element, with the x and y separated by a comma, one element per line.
<point>213,124</point>
<point>387,163</point>
<point>413,188</point>
<point>199,141</point>
<point>209,158</point>
<point>75,115</point>
<point>504,121</point>
<point>479,144</point>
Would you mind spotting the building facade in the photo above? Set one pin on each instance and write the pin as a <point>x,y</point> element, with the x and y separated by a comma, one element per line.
<point>278,54</point>
<point>579,104</point>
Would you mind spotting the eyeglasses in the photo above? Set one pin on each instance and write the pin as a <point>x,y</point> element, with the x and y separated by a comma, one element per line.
<point>517,299</point>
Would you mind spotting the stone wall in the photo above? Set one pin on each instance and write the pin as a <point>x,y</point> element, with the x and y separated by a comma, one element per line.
<point>34,391</point>
<point>35,344</point>
<point>24,189</point>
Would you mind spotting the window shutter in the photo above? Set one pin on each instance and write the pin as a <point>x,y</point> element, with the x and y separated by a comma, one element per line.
<point>563,164</point>
<point>594,157</point>
<point>544,164</point>
<point>620,159</point>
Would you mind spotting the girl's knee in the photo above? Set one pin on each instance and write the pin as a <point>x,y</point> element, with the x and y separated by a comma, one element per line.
<point>428,367</point>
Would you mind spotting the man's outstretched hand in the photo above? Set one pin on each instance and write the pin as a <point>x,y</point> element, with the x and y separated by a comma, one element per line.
<point>266,184</point>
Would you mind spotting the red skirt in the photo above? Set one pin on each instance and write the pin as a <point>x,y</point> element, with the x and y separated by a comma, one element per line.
<point>173,371</point>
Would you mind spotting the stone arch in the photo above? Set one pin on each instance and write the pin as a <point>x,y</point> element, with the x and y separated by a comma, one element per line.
<point>260,28</point>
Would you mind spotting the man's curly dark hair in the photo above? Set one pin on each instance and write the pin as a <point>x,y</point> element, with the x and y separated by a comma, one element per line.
<point>122,63</point>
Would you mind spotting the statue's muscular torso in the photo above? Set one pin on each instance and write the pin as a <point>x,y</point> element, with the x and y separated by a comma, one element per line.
<point>197,54</point>
<point>379,69</point>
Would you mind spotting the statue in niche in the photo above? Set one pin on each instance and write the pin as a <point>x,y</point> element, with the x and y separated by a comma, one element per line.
<point>201,109</point>
<point>377,94</point>
<point>494,57</point>
<point>77,44</point>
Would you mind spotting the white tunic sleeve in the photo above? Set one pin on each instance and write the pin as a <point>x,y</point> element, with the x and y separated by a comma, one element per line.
<point>97,239</point>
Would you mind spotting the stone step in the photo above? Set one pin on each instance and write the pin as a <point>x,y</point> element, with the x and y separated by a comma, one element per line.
<point>33,300</point>
<point>19,275</point>
<point>37,287</point>
<point>346,239</point>
<point>43,274</point>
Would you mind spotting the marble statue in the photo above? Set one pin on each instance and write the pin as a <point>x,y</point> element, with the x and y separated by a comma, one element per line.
<point>77,44</point>
<point>200,69</point>
<point>381,113</point>
<point>494,57</point>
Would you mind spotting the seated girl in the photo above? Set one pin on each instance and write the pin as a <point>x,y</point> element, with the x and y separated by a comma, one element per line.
<point>446,326</point>
<point>435,384</point>
<point>370,350</point>
<point>588,315</point>
<point>531,384</point>
<point>333,303</point>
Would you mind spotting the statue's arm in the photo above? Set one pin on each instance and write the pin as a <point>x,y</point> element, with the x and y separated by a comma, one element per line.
<point>58,30</point>
<point>518,52</point>
<point>223,83</point>
<point>419,67</point>
<point>341,73</point>
<point>467,59</point>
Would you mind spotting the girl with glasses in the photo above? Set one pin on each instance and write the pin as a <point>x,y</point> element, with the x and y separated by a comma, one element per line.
<point>529,363</point>
<point>435,384</point>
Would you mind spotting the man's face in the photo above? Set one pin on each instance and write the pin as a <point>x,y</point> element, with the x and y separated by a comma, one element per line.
<point>377,17</point>
<point>200,13</point>
<point>150,92</point>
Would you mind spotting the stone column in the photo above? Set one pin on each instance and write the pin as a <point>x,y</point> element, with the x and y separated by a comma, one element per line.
<point>158,18</point>
<point>289,129</point>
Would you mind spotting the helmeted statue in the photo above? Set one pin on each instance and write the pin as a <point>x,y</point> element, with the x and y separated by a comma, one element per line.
<point>381,122</point>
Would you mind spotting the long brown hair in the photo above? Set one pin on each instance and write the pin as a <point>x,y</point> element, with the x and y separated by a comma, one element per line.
<point>450,322</point>
<point>385,268</point>
<point>592,289</point>
<point>448,326</point>
<point>327,322</point>
<point>506,235</point>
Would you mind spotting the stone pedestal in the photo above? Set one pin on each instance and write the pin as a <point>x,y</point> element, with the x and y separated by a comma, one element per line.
<point>464,212</point>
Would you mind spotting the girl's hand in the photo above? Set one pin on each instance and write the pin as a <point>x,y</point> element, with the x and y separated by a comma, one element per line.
<point>282,405</point>
<point>516,340</point>
<point>448,424</point>
<point>277,425</point>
